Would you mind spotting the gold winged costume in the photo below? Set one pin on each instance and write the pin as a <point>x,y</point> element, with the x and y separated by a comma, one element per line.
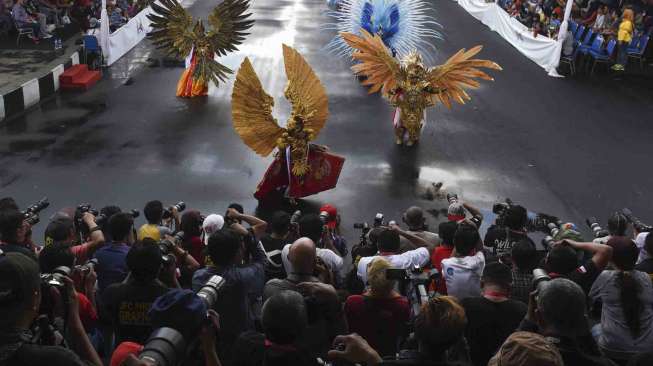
<point>409,85</point>
<point>300,168</point>
<point>174,30</point>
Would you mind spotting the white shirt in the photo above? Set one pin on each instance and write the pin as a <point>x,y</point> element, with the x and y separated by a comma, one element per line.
<point>640,241</point>
<point>330,258</point>
<point>419,256</point>
<point>463,275</point>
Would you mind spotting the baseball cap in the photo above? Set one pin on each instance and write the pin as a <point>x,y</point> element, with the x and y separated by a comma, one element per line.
<point>58,230</point>
<point>178,309</point>
<point>19,279</point>
<point>456,212</point>
<point>333,214</point>
<point>123,350</point>
<point>526,348</point>
<point>211,224</point>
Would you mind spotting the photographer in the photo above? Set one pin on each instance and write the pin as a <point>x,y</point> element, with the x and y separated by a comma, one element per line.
<point>388,243</point>
<point>236,216</point>
<point>8,203</point>
<point>154,228</point>
<point>20,296</point>
<point>462,271</point>
<point>493,316</point>
<point>646,265</point>
<point>562,261</point>
<point>311,226</point>
<point>284,321</point>
<point>326,319</point>
<point>191,225</point>
<point>331,218</point>
<point>557,310</point>
<point>111,266</point>
<point>380,314</point>
<point>414,218</point>
<point>61,230</point>
<point>446,231</point>
<point>126,304</point>
<point>13,232</point>
<point>274,243</point>
<point>439,335</point>
<point>524,261</point>
<point>243,281</point>
<point>54,256</point>
<point>617,227</point>
<point>501,238</point>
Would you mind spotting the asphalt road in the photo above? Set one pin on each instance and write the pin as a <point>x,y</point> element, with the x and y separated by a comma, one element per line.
<point>569,147</point>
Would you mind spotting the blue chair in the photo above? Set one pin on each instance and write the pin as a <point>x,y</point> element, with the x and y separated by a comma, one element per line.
<point>602,56</point>
<point>91,46</point>
<point>633,46</point>
<point>638,54</point>
<point>587,42</point>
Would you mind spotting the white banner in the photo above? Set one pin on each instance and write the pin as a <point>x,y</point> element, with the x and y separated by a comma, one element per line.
<point>128,36</point>
<point>541,50</point>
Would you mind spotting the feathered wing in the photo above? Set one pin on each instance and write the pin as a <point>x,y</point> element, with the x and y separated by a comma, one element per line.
<point>376,63</point>
<point>172,28</point>
<point>457,74</point>
<point>305,92</point>
<point>405,24</point>
<point>251,112</point>
<point>228,23</point>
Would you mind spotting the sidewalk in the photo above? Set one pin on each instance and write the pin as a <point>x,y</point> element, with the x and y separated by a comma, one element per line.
<point>30,75</point>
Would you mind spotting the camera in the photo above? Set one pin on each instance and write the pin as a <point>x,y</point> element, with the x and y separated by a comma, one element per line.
<point>637,223</point>
<point>56,277</point>
<point>86,267</point>
<point>179,206</point>
<point>31,213</point>
<point>547,241</point>
<point>535,221</point>
<point>597,230</point>
<point>164,347</point>
<point>210,290</point>
<point>324,217</point>
<point>413,284</point>
<point>539,277</point>
<point>102,219</point>
<point>452,198</point>
<point>166,246</point>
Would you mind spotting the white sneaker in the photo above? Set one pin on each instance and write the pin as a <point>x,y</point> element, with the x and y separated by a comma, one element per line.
<point>46,36</point>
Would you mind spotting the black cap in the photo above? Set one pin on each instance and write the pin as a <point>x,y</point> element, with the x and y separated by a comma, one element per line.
<point>58,230</point>
<point>19,280</point>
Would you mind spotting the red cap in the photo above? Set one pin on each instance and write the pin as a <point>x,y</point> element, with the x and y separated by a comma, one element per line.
<point>333,213</point>
<point>122,351</point>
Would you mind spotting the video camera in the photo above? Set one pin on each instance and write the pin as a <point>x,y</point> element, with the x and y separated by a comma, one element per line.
<point>31,213</point>
<point>378,221</point>
<point>102,219</point>
<point>596,228</point>
<point>535,222</point>
<point>167,346</point>
<point>180,206</point>
<point>637,223</point>
<point>413,284</point>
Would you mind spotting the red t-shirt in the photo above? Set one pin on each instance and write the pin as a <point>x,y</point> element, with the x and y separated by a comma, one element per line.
<point>379,321</point>
<point>196,249</point>
<point>440,253</point>
<point>87,313</point>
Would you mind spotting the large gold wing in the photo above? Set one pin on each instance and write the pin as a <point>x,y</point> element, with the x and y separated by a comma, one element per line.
<point>458,73</point>
<point>251,112</point>
<point>304,91</point>
<point>172,28</point>
<point>228,23</point>
<point>376,62</point>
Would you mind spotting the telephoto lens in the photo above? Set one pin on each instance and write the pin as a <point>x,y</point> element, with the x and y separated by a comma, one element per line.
<point>32,219</point>
<point>597,230</point>
<point>37,207</point>
<point>209,292</point>
<point>165,347</point>
<point>179,237</point>
<point>135,213</point>
<point>180,206</point>
<point>539,277</point>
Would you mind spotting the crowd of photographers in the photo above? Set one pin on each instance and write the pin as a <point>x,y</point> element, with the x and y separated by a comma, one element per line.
<point>187,288</point>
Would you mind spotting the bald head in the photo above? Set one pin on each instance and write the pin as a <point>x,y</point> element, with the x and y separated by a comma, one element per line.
<point>302,255</point>
<point>414,217</point>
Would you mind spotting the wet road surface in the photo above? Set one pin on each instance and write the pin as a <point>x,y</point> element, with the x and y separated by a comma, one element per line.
<point>569,147</point>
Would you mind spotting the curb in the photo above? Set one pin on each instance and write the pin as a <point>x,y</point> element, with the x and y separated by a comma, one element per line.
<point>33,91</point>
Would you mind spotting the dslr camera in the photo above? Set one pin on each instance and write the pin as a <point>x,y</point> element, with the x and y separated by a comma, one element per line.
<point>637,223</point>
<point>102,219</point>
<point>166,246</point>
<point>86,267</point>
<point>596,228</point>
<point>180,206</point>
<point>167,346</point>
<point>535,222</point>
<point>56,277</point>
<point>413,283</point>
<point>31,213</point>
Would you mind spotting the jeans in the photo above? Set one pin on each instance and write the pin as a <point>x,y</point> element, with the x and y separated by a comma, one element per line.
<point>622,53</point>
